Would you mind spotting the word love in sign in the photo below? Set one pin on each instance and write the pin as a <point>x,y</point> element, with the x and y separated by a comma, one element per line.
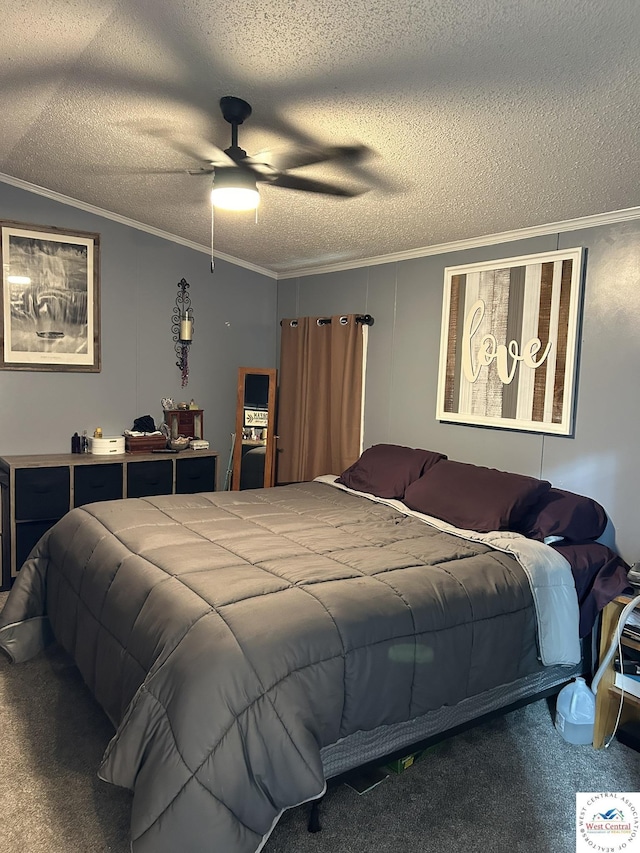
<point>506,356</point>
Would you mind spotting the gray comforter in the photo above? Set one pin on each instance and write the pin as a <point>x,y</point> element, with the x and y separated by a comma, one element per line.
<point>230,636</point>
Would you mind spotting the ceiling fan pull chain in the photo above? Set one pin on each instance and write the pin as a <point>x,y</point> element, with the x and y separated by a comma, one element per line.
<point>213,263</point>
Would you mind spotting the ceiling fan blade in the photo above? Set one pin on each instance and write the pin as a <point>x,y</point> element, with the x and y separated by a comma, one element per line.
<point>295,182</point>
<point>201,171</point>
<point>203,152</point>
<point>307,156</point>
<point>200,150</point>
<point>142,172</point>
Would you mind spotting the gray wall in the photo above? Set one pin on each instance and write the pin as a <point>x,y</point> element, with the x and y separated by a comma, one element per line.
<point>235,325</point>
<point>600,460</point>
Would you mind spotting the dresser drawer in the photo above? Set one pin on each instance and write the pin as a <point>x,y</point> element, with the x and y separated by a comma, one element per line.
<point>27,534</point>
<point>97,483</point>
<point>149,478</point>
<point>195,474</point>
<point>41,493</point>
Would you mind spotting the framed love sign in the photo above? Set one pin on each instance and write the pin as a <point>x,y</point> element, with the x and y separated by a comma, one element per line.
<point>508,345</point>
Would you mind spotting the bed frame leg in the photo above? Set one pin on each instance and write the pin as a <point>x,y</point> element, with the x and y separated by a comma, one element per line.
<point>314,816</point>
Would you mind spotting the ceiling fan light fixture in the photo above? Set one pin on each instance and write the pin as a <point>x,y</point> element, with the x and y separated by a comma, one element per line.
<point>234,189</point>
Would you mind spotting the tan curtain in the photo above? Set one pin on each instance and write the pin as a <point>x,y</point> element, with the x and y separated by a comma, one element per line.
<point>320,400</point>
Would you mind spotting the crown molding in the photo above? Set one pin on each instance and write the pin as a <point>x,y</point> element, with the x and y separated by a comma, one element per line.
<point>592,221</point>
<point>132,223</point>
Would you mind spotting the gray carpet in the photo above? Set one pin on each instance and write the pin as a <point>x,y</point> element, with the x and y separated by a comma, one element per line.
<point>495,787</point>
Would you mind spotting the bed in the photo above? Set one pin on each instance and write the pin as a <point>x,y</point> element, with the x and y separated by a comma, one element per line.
<point>248,646</point>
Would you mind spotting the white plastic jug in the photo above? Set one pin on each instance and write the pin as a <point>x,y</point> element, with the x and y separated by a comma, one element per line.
<point>575,712</point>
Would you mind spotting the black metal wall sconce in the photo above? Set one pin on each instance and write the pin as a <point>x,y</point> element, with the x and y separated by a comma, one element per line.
<point>182,328</point>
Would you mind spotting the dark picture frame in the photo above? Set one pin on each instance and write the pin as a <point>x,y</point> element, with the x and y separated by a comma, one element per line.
<point>50,299</point>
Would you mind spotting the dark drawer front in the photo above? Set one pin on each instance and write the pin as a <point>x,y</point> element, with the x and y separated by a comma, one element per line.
<point>149,478</point>
<point>97,483</point>
<point>195,475</point>
<point>27,534</point>
<point>42,492</point>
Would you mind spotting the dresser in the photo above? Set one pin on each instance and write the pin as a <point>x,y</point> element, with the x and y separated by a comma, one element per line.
<point>37,490</point>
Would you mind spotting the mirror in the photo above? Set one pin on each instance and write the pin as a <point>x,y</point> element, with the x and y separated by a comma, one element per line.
<point>254,446</point>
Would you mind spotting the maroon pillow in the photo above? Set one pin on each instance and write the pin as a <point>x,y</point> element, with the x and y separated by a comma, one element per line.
<point>385,470</point>
<point>599,574</point>
<point>473,497</point>
<point>561,513</point>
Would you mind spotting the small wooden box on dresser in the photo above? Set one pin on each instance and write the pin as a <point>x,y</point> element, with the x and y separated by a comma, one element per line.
<point>187,422</point>
<point>36,491</point>
<point>608,696</point>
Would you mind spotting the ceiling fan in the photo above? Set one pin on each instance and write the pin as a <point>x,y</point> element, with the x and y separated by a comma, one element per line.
<point>236,174</point>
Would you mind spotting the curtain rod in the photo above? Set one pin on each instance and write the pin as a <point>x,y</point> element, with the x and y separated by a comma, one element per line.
<point>365,319</point>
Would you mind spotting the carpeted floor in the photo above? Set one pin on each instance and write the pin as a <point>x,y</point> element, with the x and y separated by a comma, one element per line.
<point>495,787</point>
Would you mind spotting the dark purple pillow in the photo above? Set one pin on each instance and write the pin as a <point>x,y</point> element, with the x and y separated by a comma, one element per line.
<point>473,497</point>
<point>599,574</point>
<point>560,513</point>
<point>385,470</point>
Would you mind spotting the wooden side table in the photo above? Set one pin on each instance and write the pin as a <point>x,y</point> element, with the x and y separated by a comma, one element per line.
<point>608,696</point>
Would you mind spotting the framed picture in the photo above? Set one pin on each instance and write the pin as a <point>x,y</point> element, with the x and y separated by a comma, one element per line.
<point>50,299</point>
<point>508,344</point>
<point>256,417</point>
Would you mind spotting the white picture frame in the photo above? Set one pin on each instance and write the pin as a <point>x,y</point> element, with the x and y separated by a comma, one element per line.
<point>509,340</point>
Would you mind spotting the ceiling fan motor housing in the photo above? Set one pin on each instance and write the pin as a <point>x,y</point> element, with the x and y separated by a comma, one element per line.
<point>234,110</point>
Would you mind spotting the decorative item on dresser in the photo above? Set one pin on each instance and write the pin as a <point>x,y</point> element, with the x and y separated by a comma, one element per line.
<point>38,490</point>
<point>186,422</point>
<point>145,443</point>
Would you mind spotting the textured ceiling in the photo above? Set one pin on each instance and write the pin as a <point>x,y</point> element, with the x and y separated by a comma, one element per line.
<point>485,116</point>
